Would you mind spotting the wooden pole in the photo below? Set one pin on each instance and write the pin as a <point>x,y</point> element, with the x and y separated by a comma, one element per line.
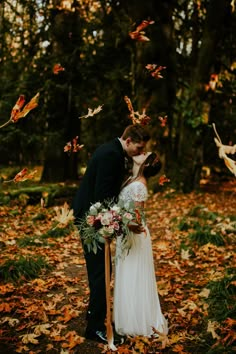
<point>110,338</point>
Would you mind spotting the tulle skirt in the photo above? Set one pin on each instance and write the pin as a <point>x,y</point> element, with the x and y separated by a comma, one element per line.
<point>136,303</point>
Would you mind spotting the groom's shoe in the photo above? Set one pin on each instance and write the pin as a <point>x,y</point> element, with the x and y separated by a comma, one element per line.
<point>118,339</point>
<point>98,336</point>
<point>101,336</point>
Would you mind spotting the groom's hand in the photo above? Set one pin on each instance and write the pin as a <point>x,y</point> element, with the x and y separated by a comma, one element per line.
<point>136,228</point>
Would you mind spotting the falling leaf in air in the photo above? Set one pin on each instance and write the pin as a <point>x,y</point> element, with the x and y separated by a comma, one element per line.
<point>155,70</point>
<point>73,146</point>
<point>63,215</point>
<point>163,179</point>
<point>17,113</point>
<point>22,176</point>
<point>57,68</point>
<point>163,120</point>
<point>136,117</point>
<point>139,34</point>
<point>224,150</point>
<point>214,79</point>
<point>92,112</point>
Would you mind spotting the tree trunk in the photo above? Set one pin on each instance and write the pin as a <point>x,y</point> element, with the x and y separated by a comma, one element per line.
<point>63,124</point>
<point>186,169</point>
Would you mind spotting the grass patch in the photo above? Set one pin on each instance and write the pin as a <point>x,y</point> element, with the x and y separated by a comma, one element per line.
<point>185,225</point>
<point>206,235</point>
<point>221,310</point>
<point>58,232</point>
<point>31,241</point>
<point>222,298</point>
<point>23,268</point>
<point>201,211</point>
<point>39,217</point>
<point>207,227</point>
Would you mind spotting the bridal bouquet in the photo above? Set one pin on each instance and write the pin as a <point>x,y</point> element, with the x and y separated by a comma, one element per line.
<point>108,221</point>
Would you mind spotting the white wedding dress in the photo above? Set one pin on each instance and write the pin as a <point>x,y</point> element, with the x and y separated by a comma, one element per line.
<point>136,303</point>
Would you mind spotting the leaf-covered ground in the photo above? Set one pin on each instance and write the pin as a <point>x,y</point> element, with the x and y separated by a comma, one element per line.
<point>194,250</point>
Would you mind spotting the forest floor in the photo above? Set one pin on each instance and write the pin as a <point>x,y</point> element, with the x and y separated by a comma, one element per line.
<point>193,237</point>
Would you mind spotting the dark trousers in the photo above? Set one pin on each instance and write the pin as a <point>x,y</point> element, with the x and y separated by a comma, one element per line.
<point>96,277</point>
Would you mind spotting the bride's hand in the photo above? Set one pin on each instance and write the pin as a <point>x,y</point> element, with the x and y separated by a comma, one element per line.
<point>136,228</point>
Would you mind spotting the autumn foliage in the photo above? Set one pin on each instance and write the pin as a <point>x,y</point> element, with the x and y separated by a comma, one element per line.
<point>195,280</point>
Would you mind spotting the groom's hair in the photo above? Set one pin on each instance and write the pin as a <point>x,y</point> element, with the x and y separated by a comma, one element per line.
<point>136,133</point>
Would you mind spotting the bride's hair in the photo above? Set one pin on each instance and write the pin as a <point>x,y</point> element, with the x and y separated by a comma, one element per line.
<point>149,168</point>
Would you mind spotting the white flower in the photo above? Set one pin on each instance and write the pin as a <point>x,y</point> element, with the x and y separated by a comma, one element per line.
<point>98,205</point>
<point>106,231</point>
<point>93,210</point>
<point>106,218</point>
<point>116,209</point>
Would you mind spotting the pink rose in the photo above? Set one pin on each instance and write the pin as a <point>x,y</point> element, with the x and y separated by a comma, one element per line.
<point>116,225</point>
<point>128,216</point>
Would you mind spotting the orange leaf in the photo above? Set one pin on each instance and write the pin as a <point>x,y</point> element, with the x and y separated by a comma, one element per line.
<point>73,146</point>
<point>17,113</point>
<point>139,34</point>
<point>57,68</point>
<point>5,307</point>
<point>136,117</point>
<point>178,348</point>
<point>155,70</point>
<point>73,340</point>
<point>16,109</point>
<point>144,24</point>
<point>163,120</point>
<point>163,179</point>
<point>20,175</point>
<point>23,175</point>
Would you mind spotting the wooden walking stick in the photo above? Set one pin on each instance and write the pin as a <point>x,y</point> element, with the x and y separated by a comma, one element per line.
<point>110,338</point>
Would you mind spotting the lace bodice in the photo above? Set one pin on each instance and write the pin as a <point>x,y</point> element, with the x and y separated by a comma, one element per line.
<point>134,192</point>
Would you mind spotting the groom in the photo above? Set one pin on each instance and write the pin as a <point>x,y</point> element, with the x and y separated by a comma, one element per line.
<point>102,181</point>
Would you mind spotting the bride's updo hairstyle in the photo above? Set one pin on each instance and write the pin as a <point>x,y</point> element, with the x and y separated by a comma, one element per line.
<point>150,167</point>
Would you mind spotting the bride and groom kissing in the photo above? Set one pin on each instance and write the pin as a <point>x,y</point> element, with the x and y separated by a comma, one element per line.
<point>136,306</point>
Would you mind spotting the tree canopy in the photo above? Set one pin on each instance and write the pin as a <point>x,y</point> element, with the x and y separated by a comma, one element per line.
<point>174,60</point>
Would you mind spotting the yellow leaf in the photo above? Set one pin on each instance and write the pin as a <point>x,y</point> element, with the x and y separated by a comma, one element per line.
<point>185,254</point>
<point>42,329</point>
<point>30,338</point>
<point>211,328</point>
<point>204,293</point>
<point>64,215</point>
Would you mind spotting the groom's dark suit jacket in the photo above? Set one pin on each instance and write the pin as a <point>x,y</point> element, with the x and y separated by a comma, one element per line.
<point>103,177</point>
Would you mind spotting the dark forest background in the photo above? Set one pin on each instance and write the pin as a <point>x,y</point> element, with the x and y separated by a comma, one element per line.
<point>194,40</point>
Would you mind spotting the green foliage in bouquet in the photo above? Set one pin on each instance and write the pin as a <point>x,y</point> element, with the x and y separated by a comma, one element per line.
<point>107,222</point>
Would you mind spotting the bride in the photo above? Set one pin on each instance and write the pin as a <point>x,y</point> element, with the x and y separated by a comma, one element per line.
<point>137,308</point>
